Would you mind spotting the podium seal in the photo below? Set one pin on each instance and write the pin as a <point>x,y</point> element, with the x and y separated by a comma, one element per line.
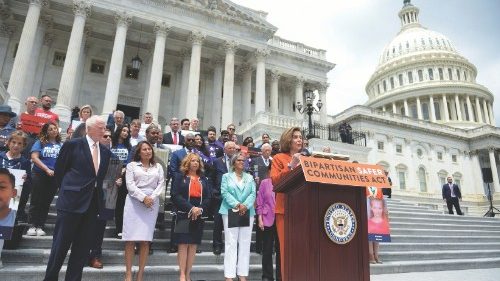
<point>340,223</point>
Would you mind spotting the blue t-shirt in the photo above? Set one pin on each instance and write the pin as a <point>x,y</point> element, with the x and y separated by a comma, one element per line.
<point>48,154</point>
<point>20,163</point>
<point>121,152</point>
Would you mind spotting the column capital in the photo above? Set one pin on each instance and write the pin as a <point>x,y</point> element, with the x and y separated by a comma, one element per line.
<point>82,8</point>
<point>196,37</point>
<point>299,81</point>
<point>491,149</point>
<point>162,29</point>
<point>245,67</point>
<point>185,53</point>
<point>122,18</point>
<point>322,87</point>
<point>275,75</point>
<point>230,46</point>
<point>48,39</point>
<point>41,3</point>
<point>46,21</point>
<point>261,54</point>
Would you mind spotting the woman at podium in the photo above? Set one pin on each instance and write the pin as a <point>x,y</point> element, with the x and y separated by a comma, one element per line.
<point>283,162</point>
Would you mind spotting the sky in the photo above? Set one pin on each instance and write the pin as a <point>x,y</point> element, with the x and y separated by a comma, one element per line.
<point>354,33</point>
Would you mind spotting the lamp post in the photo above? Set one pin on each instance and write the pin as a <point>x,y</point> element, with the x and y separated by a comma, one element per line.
<point>136,61</point>
<point>309,109</point>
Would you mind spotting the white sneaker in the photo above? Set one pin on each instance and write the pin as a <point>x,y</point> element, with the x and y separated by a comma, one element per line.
<point>40,232</point>
<point>31,231</point>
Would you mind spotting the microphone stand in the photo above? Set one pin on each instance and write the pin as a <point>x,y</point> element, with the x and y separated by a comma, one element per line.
<point>491,211</point>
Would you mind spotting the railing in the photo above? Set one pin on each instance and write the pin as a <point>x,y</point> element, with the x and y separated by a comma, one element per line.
<point>297,47</point>
<point>332,133</point>
<point>281,121</point>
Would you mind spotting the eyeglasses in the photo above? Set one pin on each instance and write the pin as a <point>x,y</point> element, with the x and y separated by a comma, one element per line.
<point>106,136</point>
<point>232,129</point>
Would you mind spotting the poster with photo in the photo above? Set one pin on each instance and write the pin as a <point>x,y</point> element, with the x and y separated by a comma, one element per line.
<point>110,189</point>
<point>378,220</point>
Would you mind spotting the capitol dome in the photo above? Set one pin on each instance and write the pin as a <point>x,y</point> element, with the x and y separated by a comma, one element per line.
<point>422,75</point>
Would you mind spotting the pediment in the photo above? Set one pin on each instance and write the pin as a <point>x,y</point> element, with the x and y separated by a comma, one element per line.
<point>224,9</point>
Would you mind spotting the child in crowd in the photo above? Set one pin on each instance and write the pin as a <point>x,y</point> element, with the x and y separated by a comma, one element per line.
<point>7,215</point>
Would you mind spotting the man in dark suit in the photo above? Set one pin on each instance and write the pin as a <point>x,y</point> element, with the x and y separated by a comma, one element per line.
<point>222,165</point>
<point>174,136</point>
<point>118,119</point>
<point>79,173</point>
<point>452,195</point>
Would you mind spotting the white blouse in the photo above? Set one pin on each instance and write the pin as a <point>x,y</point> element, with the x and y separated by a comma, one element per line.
<point>143,182</point>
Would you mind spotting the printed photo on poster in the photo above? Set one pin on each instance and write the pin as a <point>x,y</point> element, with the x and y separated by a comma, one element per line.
<point>378,220</point>
<point>110,189</point>
<point>9,202</point>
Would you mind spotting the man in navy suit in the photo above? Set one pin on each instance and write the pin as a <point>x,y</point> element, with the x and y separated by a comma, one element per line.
<point>222,165</point>
<point>174,136</point>
<point>452,195</point>
<point>80,170</point>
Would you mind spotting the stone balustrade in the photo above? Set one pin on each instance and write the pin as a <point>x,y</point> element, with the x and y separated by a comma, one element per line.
<point>297,47</point>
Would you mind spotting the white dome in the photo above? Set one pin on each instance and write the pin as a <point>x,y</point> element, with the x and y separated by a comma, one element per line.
<point>416,39</point>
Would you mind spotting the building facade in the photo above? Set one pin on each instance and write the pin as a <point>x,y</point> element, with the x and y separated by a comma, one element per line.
<point>210,59</point>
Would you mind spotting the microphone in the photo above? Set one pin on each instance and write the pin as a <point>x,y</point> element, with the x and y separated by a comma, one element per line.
<point>305,152</point>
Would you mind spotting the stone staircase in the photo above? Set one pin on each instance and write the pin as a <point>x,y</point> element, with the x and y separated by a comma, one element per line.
<point>422,240</point>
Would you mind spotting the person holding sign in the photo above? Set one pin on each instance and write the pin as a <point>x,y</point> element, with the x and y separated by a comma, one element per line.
<point>7,215</point>
<point>191,196</point>
<point>282,164</point>
<point>237,209</point>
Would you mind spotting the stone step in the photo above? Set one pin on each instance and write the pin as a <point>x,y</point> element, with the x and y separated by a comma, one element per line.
<point>437,255</point>
<point>428,230</point>
<point>434,265</point>
<point>405,214</point>
<point>443,226</point>
<point>443,239</point>
<point>413,209</point>
<point>426,246</point>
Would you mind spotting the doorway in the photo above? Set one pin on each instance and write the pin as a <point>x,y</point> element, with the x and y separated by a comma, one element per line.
<point>131,112</point>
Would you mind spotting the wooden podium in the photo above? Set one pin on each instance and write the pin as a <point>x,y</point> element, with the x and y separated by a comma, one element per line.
<point>311,255</point>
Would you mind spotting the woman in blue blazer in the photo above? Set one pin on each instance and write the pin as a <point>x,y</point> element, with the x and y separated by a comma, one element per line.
<point>238,195</point>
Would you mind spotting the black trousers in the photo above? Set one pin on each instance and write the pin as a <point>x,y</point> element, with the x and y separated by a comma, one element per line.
<point>453,201</point>
<point>76,231</point>
<point>218,225</point>
<point>43,193</point>
<point>270,242</point>
<point>25,195</point>
<point>120,205</point>
<point>96,247</point>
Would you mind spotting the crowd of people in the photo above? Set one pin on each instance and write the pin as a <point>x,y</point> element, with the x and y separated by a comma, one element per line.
<point>224,178</point>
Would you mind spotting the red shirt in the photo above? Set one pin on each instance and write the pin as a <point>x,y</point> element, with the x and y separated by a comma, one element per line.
<point>47,114</point>
<point>195,188</point>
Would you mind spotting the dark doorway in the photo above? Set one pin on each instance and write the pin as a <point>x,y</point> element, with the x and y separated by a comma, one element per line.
<point>131,112</point>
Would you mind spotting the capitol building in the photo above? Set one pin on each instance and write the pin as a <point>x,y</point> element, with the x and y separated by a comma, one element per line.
<point>425,118</point>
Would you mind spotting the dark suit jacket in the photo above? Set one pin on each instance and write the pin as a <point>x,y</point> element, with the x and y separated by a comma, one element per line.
<point>180,193</point>
<point>75,175</point>
<point>175,162</point>
<point>168,139</point>
<point>220,168</point>
<point>447,192</point>
<point>262,169</point>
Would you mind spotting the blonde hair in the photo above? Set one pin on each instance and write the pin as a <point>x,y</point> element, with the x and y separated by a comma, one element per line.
<point>187,161</point>
<point>87,106</point>
<point>385,212</point>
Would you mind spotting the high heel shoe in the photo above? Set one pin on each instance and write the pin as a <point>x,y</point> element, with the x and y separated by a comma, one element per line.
<point>372,259</point>
<point>378,260</point>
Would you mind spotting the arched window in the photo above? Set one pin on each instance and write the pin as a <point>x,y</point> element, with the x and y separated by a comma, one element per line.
<point>422,179</point>
<point>442,175</point>
<point>401,170</point>
<point>425,111</point>
<point>414,113</point>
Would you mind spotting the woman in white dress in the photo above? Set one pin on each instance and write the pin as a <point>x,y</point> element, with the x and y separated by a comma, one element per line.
<point>145,182</point>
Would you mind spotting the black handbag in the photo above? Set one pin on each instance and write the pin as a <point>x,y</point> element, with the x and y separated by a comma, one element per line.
<point>236,220</point>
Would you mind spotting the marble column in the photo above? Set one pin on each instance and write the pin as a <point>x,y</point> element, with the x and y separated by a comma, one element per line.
<point>246,70</point>
<point>80,68</point>
<point>486,114</point>
<point>227,100</point>
<point>445,109</point>
<point>275,77</point>
<point>419,109</point>
<point>299,95</point>
<point>476,171</point>
<point>492,117</point>
<point>5,38</point>
<point>217,91</point>
<point>196,39</point>
<point>260,80</point>
<point>494,171</point>
<point>161,30</point>
<point>433,109</point>
<point>42,62</point>
<point>122,20</point>
<point>407,111</point>
<point>68,77</point>
<point>323,114</point>
<point>469,109</point>
<point>458,109</point>
<point>23,57</point>
<point>479,112</point>
<point>186,60</point>
<point>394,108</point>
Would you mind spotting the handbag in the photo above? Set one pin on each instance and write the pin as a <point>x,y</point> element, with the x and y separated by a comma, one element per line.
<point>236,220</point>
